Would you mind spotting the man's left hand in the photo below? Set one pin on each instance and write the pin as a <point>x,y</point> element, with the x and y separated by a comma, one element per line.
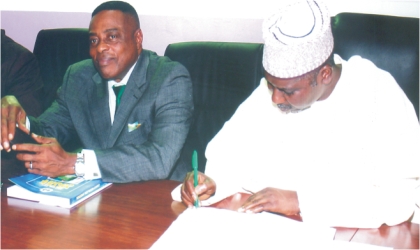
<point>48,158</point>
<point>272,200</point>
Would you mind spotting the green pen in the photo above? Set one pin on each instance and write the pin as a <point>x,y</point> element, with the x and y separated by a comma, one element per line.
<point>195,169</point>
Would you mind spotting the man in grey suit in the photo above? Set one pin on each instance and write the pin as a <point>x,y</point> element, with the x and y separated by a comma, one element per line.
<point>138,138</point>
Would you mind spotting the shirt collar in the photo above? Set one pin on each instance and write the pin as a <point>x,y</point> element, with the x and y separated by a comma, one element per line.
<point>124,80</point>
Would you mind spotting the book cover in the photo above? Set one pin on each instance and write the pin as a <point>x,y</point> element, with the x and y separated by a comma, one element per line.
<point>64,191</point>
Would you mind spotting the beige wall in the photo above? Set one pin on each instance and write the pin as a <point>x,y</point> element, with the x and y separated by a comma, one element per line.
<point>167,21</point>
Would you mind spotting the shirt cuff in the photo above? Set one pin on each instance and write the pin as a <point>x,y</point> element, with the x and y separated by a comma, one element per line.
<point>91,165</point>
<point>27,124</point>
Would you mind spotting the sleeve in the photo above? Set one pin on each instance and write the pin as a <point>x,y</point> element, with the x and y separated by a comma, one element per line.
<point>225,151</point>
<point>56,121</point>
<point>361,206</point>
<point>156,157</point>
<point>389,197</point>
<point>26,83</point>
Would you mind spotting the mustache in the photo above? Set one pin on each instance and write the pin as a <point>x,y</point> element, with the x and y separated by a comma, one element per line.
<point>284,106</point>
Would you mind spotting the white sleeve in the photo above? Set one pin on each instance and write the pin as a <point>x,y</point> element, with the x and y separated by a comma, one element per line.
<point>27,124</point>
<point>224,153</point>
<point>350,205</point>
<point>91,164</point>
<point>388,190</point>
<point>226,163</point>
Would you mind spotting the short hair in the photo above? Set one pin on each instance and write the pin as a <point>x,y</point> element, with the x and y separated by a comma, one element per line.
<point>124,7</point>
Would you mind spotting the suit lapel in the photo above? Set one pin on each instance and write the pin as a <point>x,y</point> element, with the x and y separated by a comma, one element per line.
<point>99,108</point>
<point>135,88</point>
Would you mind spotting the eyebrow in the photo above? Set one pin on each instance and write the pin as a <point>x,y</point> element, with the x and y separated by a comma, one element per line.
<point>281,89</point>
<point>106,31</point>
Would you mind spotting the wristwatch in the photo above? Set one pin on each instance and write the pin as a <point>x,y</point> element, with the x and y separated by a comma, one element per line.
<point>79,166</point>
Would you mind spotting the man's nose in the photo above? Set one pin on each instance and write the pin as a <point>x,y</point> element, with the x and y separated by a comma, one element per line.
<point>278,97</point>
<point>102,46</point>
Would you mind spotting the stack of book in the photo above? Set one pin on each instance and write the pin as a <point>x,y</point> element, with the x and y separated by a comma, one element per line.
<point>63,191</point>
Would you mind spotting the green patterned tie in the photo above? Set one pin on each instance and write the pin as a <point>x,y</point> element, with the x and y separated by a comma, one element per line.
<point>118,93</point>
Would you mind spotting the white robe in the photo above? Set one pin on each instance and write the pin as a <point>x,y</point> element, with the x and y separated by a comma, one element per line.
<point>354,158</point>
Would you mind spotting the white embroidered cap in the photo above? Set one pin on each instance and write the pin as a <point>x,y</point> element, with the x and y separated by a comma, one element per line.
<point>297,38</point>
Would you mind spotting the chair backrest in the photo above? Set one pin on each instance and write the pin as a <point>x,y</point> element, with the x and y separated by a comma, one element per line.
<point>223,74</point>
<point>392,43</point>
<point>56,50</point>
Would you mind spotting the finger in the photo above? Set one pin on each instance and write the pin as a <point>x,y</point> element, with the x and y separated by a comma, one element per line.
<point>23,127</point>
<point>35,171</point>
<point>252,204</point>
<point>4,129</point>
<point>36,168</point>
<point>27,147</point>
<point>184,187</point>
<point>10,112</point>
<point>248,202</point>
<point>42,139</point>
<point>11,122</point>
<point>206,185</point>
<point>192,194</point>
<point>201,189</point>
<point>30,165</point>
<point>256,208</point>
<point>187,189</point>
<point>3,120</point>
<point>202,178</point>
<point>188,184</point>
<point>189,177</point>
<point>21,119</point>
<point>186,198</point>
<point>26,157</point>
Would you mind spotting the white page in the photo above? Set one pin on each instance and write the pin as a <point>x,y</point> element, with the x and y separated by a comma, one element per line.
<point>212,228</point>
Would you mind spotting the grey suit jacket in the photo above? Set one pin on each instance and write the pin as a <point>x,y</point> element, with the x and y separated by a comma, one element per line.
<point>158,95</point>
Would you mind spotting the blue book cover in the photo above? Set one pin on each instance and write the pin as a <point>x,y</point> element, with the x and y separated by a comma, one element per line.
<point>64,191</point>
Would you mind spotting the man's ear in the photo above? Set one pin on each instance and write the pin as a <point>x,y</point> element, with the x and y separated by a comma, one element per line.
<point>325,74</point>
<point>138,35</point>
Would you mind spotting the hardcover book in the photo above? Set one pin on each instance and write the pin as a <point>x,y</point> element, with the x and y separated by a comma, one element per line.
<point>63,191</point>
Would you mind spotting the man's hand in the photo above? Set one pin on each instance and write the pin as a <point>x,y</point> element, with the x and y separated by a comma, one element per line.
<point>12,113</point>
<point>272,200</point>
<point>205,188</point>
<point>47,159</point>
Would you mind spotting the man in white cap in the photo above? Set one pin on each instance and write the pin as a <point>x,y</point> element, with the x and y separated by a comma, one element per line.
<point>334,141</point>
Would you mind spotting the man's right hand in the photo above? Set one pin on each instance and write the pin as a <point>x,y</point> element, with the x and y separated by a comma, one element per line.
<point>12,113</point>
<point>206,187</point>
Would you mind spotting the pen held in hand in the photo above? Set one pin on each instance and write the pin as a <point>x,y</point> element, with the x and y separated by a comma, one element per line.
<point>195,169</point>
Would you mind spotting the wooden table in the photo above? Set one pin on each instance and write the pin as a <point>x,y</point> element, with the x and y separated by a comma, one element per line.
<point>135,215</point>
<point>122,216</point>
